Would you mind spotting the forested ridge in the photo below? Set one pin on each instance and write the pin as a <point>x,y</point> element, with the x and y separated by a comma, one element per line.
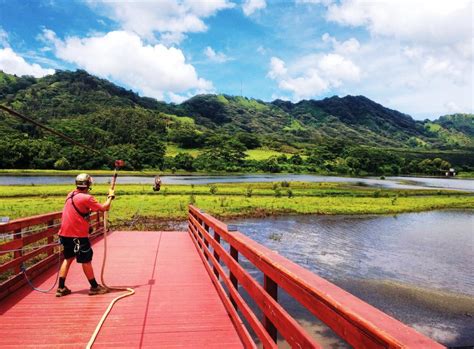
<point>348,135</point>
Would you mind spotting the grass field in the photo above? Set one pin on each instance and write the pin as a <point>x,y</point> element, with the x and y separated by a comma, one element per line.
<point>172,150</point>
<point>253,154</point>
<point>466,175</point>
<point>235,199</point>
<point>263,154</point>
<point>24,172</point>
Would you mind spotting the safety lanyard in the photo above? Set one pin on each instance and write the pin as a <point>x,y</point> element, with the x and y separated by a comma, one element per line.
<point>83,215</point>
<point>77,245</point>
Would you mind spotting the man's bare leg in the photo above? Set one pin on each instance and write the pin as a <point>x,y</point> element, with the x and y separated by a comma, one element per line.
<point>65,267</point>
<point>88,270</point>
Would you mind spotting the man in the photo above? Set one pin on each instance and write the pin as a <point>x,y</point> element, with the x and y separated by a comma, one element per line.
<point>74,233</point>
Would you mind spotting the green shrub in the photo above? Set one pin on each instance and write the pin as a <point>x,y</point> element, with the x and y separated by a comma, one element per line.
<point>213,189</point>
<point>62,164</point>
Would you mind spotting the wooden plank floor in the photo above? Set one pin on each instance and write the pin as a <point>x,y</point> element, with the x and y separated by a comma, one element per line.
<point>175,305</point>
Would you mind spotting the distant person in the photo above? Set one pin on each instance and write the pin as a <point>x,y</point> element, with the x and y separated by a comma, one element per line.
<point>74,233</point>
<point>157,184</point>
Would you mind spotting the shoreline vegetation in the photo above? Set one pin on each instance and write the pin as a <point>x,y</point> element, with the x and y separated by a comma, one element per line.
<point>138,205</point>
<point>152,173</point>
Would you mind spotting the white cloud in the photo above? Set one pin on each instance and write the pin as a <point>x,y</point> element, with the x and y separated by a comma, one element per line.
<point>417,59</point>
<point>176,98</point>
<point>154,70</point>
<point>217,57</point>
<point>309,85</point>
<point>430,22</point>
<point>414,80</point>
<point>324,2</point>
<point>250,6</point>
<point>314,74</point>
<point>452,107</point>
<point>337,69</point>
<point>4,38</point>
<point>12,63</point>
<point>172,19</point>
<point>262,50</point>
<point>277,68</point>
<point>441,66</point>
<point>348,46</point>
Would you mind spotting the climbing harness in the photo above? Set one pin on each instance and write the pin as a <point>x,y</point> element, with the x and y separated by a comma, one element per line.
<point>85,215</point>
<point>77,245</point>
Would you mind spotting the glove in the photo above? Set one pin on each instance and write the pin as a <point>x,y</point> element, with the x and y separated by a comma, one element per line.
<point>111,194</point>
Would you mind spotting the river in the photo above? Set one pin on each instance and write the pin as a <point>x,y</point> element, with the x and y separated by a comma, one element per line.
<point>417,267</point>
<point>389,182</point>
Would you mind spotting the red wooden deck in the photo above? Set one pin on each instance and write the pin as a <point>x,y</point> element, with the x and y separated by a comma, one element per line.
<point>175,304</point>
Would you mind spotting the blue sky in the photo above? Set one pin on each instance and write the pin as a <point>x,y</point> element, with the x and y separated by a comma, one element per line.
<point>414,56</point>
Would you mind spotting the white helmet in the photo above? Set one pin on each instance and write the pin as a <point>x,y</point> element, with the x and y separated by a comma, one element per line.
<point>83,181</point>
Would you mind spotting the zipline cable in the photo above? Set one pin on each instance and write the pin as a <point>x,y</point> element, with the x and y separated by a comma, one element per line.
<point>49,129</point>
<point>130,291</point>
<point>72,141</point>
<point>67,138</point>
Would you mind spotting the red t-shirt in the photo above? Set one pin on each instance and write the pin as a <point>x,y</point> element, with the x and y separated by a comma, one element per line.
<point>72,223</point>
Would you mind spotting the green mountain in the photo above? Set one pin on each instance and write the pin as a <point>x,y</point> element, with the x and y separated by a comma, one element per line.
<point>104,115</point>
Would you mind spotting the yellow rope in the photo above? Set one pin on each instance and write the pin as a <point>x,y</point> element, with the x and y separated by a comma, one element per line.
<point>130,291</point>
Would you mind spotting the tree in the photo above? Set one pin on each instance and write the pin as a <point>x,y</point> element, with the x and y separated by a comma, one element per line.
<point>249,140</point>
<point>271,165</point>
<point>354,165</point>
<point>296,160</point>
<point>184,161</point>
<point>128,153</point>
<point>9,155</point>
<point>228,155</point>
<point>62,164</point>
<point>186,136</point>
<point>151,152</point>
<point>426,166</point>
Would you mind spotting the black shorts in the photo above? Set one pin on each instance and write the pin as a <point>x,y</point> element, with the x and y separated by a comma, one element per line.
<point>78,247</point>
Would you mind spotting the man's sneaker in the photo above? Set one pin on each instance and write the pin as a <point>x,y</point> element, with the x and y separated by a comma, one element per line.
<point>61,292</point>
<point>98,290</point>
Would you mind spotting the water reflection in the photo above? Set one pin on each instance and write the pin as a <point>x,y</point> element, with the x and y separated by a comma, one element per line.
<point>390,182</point>
<point>416,267</point>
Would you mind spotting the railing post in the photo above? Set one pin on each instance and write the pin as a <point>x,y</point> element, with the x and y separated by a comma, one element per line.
<point>50,238</point>
<point>217,237</point>
<point>97,227</point>
<point>272,289</point>
<point>199,233</point>
<point>204,225</point>
<point>234,253</point>
<point>17,254</point>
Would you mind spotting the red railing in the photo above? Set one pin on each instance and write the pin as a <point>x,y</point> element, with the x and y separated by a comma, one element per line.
<point>358,323</point>
<point>32,243</point>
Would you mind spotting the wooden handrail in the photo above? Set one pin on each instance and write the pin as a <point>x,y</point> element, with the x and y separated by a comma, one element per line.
<point>358,323</point>
<point>289,328</point>
<point>22,223</point>
<point>20,242</point>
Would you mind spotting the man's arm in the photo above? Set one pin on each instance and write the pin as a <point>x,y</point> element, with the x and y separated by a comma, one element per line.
<point>106,205</point>
<point>95,206</point>
<point>110,197</point>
